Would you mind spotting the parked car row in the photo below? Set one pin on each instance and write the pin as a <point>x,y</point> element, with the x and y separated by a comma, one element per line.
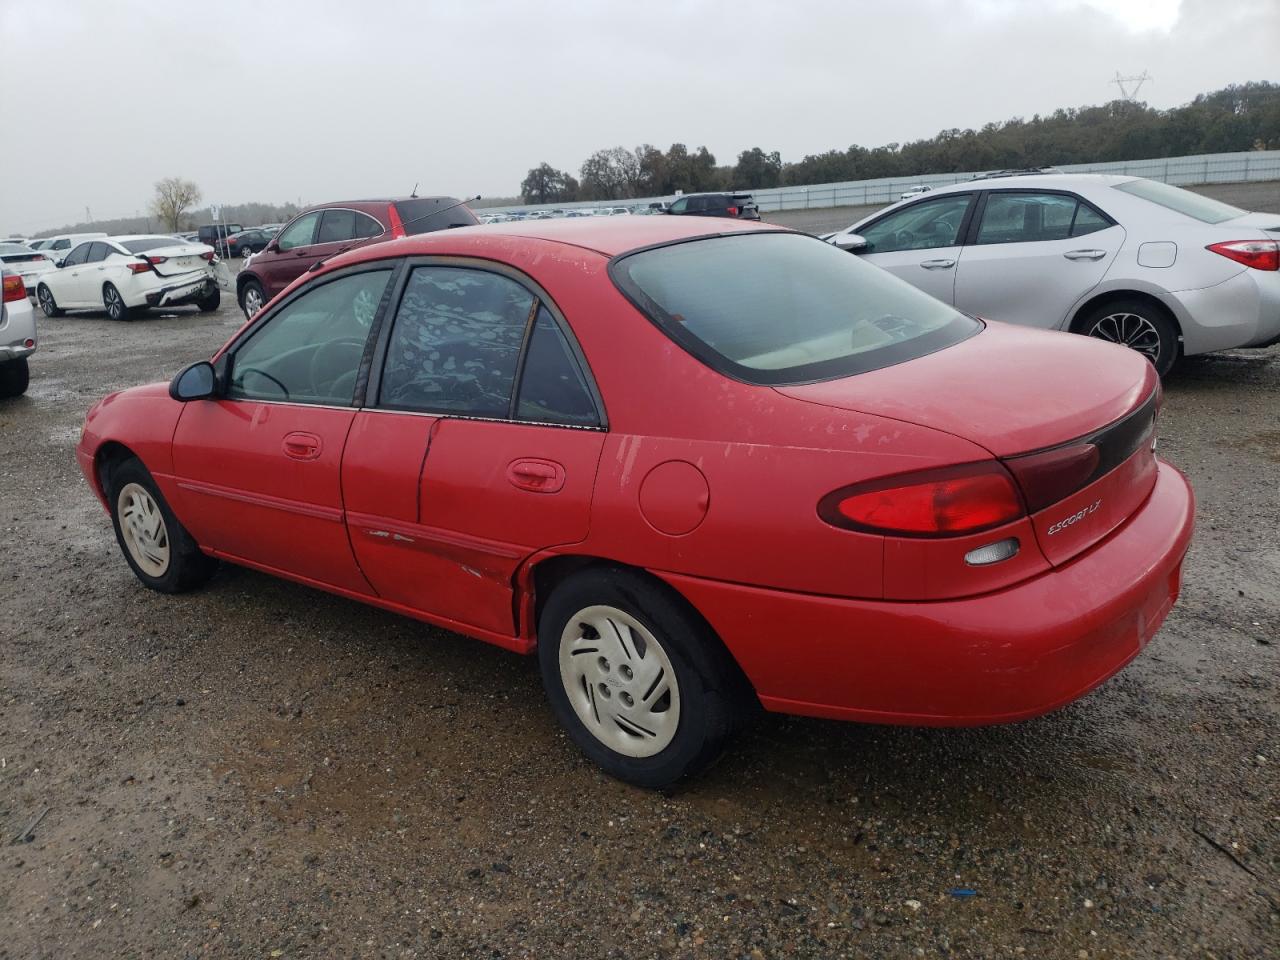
<point>737,205</point>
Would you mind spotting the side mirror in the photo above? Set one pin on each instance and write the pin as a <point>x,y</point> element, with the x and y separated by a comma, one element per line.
<point>271,247</point>
<point>59,262</point>
<point>196,382</point>
<point>852,242</point>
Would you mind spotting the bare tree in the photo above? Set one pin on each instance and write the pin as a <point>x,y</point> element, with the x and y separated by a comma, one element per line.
<point>173,196</point>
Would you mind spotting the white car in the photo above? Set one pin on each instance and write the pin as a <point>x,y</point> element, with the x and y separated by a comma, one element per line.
<point>1156,268</point>
<point>17,335</point>
<point>914,192</point>
<point>123,275</point>
<point>59,246</point>
<point>27,263</point>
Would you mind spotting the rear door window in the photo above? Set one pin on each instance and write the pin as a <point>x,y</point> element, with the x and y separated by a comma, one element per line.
<point>336,225</point>
<point>1025,217</point>
<point>366,226</point>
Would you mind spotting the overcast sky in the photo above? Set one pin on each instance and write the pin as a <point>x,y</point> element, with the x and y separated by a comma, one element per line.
<point>278,100</point>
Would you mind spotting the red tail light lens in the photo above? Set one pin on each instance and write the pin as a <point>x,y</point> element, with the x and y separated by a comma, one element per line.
<point>733,211</point>
<point>207,256</point>
<point>1046,478</point>
<point>397,225</point>
<point>155,260</point>
<point>14,288</point>
<point>1258,254</point>
<point>934,503</point>
<point>140,267</point>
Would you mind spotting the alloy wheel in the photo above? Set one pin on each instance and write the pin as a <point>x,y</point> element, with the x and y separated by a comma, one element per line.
<point>143,529</point>
<point>46,301</point>
<point>252,301</point>
<point>115,306</point>
<point>1129,330</point>
<point>619,681</point>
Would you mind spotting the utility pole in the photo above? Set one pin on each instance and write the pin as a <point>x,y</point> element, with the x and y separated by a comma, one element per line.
<point>1125,93</point>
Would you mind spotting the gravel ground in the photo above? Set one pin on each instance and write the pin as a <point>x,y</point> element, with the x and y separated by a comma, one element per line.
<point>261,770</point>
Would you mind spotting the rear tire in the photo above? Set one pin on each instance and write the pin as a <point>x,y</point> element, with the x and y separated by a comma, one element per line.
<point>1137,324</point>
<point>210,303</point>
<point>252,298</point>
<point>114,303</point>
<point>47,303</point>
<point>14,377</point>
<point>159,550</point>
<point>613,646</point>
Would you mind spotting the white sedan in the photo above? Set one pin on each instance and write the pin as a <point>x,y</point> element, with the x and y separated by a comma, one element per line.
<point>124,275</point>
<point>27,263</point>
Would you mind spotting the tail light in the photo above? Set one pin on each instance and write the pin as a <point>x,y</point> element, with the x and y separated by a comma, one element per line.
<point>207,256</point>
<point>397,225</point>
<point>14,288</point>
<point>142,267</point>
<point>1046,478</point>
<point>1258,254</point>
<point>733,211</point>
<point>950,502</point>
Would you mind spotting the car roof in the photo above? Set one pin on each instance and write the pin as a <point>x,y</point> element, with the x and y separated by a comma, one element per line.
<point>609,236</point>
<point>1040,181</point>
<point>143,236</point>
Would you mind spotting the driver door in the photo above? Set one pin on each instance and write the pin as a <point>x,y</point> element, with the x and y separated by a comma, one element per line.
<point>68,288</point>
<point>921,243</point>
<point>258,469</point>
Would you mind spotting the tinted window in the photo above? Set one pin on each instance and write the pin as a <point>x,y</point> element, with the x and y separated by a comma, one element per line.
<point>921,226</point>
<point>310,349</point>
<point>784,308</point>
<point>148,243</point>
<point>1088,220</point>
<point>455,342</point>
<point>366,227</point>
<point>77,256</point>
<point>98,252</point>
<point>63,244</point>
<point>552,387</point>
<point>336,225</point>
<point>1204,209</point>
<point>424,214</point>
<point>1026,217</point>
<point>680,205</point>
<point>299,233</point>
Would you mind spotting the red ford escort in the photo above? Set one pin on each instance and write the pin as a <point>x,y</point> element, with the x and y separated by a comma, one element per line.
<point>691,463</point>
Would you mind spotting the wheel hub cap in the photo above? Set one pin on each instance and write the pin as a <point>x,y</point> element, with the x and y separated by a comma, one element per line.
<point>619,681</point>
<point>143,530</point>
<point>1130,330</point>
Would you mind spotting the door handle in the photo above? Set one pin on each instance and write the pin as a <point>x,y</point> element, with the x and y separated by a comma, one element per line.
<point>1085,254</point>
<point>301,253</point>
<point>536,476</point>
<point>301,446</point>
<point>937,264</point>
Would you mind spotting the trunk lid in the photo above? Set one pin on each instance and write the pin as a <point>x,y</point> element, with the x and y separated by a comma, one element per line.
<point>178,259</point>
<point>1017,391</point>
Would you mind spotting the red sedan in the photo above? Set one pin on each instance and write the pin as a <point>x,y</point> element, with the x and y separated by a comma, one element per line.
<point>692,464</point>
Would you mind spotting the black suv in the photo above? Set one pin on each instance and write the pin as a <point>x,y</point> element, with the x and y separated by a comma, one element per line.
<point>738,205</point>
<point>215,235</point>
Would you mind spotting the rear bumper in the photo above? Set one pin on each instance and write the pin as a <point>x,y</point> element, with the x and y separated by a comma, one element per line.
<point>1003,656</point>
<point>1241,312</point>
<point>182,292</point>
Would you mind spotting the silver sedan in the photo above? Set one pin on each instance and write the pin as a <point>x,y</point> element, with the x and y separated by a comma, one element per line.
<point>1159,269</point>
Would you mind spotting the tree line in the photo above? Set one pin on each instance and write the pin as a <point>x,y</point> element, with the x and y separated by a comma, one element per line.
<point>1238,117</point>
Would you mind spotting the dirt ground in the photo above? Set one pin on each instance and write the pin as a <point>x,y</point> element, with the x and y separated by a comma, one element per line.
<point>261,770</point>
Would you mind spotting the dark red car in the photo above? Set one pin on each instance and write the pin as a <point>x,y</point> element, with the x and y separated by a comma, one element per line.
<point>692,463</point>
<point>328,229</point>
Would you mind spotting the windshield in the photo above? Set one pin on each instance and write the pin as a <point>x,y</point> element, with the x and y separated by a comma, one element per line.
<point>149,243</point>
<point>1204,209</point>
<point>778,308</point>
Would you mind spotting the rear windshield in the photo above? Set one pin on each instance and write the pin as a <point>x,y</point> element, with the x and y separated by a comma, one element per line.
<point>777,308</point>
<point>1204,209</point>
<point>425,214</point>
<point>150,243</point>
<point>14,249</point>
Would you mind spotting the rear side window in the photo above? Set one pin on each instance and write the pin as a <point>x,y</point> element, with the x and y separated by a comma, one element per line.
<point>777,308</point>
<point>366,227</point>
<point>455,343</point>
<point>425,214</point>
<point>1026,217</point>
<point>552,387</point>
<point>1204,209</point>
<point>336,225</point>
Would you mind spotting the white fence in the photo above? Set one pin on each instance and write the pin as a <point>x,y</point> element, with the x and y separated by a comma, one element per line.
<point>1181,171</point>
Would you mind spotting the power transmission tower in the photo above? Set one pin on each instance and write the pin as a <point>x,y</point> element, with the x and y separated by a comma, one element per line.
<point>1127,94</point>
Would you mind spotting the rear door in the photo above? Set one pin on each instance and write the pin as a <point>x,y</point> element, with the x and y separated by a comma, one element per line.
<point>922,243</point>
<point>290,256</point>
<point>1033,255</point>
<point>501,434</point>
<point>259,469</point>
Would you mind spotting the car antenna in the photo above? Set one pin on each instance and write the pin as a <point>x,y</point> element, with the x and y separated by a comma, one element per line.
<point>457,203</point>
<point>414,192</point>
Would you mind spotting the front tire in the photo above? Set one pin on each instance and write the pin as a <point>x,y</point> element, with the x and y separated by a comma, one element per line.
<point>113,303</point>
<point>1138,325</point>
<point>14,377</point>
<point>156,546</point>
<point>47,303</point>
<point>640,683</point>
